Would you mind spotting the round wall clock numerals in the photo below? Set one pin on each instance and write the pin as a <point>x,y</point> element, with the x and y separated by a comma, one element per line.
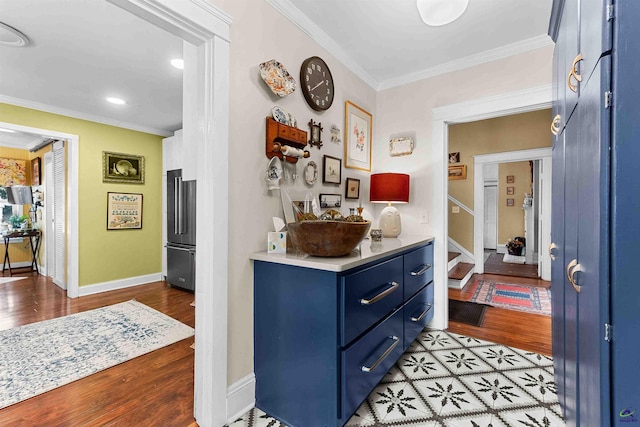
<point>316,83</point>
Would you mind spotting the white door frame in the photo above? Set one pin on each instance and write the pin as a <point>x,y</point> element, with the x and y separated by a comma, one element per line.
<point>486,108</point>
<point>543,154</point>
<point>206,106</point>
<point>494,186</point>
<point>71,243</point>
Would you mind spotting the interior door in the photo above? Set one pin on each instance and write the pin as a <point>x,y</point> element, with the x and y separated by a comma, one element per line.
<point>490,216</point>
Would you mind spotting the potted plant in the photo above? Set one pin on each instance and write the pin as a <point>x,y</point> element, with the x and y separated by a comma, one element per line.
<point>19,221</point>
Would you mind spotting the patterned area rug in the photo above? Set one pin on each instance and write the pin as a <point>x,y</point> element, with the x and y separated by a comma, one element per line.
<point>451,380</point>
<point>41,356</point>
<point>530,299</point>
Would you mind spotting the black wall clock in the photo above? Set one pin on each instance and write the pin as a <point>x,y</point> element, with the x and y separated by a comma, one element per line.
<point>316,83</point>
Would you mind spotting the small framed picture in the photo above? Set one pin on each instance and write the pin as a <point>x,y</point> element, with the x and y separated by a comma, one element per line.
<point>124,211</point>
<point>510,191</point>
<point>509,202</point>
<point>510,179</point>
<point>352,189</point>
<point>315,133</point>
<point>454,157</point>
<point>35,171</point>
<point>122,168</point>
<point>458,172</point>
<point>330,201</point>
<point>331,170</point>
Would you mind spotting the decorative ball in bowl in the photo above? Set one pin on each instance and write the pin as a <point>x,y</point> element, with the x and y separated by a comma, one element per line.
<point>327,238</point>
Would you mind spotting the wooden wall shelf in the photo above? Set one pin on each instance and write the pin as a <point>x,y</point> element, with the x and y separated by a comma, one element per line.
<point>279,134</point>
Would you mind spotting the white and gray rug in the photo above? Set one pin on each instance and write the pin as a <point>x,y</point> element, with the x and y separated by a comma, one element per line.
<point>41,356</point>
<point>450,380</point>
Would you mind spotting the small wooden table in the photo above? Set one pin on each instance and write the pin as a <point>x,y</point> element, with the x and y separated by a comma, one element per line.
<point>34,241</point>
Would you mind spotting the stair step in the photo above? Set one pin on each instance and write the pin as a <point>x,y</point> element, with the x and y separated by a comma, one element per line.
<point>460,270</point>
<point>453,255</point>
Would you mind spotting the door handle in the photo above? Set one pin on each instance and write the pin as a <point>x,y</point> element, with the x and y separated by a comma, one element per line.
<point>574,73</point>
<point>572,268</point>
<point>555,125</point>
<point>176,205</point>
<point>552,246</point>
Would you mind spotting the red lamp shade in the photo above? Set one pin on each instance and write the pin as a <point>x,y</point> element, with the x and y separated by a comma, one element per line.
<point>389,188</point>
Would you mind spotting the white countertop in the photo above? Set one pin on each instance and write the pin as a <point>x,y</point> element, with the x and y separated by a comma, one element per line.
<point>367,251</point>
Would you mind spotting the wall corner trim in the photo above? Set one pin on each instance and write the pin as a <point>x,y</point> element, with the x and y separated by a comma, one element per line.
<point>241,397</point>
<point>128,282</point>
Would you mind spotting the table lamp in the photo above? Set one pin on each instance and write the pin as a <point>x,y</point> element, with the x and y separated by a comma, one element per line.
<point>389,188</point>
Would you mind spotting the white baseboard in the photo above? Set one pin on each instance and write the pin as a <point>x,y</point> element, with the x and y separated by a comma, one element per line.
<point>97,288</point>
<point>465,256</point>
<point>241,397</point>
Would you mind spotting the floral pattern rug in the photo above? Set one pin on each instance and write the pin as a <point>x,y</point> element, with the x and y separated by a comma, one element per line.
<point>450,380</point>
<point>41,356</point>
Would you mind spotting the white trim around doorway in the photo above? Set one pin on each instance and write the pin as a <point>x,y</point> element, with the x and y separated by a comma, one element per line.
<point>523,101</point>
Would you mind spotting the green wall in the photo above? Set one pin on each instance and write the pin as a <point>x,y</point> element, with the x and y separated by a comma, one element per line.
<point>118,254</point>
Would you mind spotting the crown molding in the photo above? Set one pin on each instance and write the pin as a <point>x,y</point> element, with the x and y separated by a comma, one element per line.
<point>470,61</point>
<point>83,116</point>
<point>317,34</point>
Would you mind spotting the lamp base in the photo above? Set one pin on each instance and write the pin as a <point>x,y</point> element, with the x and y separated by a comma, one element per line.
<point>390,222</point>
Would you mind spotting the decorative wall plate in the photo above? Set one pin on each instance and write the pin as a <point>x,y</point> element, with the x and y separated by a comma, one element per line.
<point>277,78</point>
<point>279,115</point>
<point>311,173</point>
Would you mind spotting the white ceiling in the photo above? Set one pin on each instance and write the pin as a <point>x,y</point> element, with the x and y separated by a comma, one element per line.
<point>82,51</point>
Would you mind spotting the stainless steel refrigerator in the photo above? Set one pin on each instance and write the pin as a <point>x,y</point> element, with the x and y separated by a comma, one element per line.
<point>181,231</point>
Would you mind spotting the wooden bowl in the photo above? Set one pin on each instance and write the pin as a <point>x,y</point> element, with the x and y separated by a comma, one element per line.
<point>327,238</point>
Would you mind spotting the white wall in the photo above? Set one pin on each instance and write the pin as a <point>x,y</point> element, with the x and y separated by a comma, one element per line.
<point>258,34</point>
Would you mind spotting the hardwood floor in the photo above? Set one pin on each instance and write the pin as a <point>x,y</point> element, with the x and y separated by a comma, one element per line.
<point>527,331</point>
<point>155,389</point>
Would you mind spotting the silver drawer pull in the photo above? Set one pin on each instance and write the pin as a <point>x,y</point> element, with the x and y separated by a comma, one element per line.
<point>393,287</point>
<point>421,272</point>
<point>383,356</point>
<point>424,313</point>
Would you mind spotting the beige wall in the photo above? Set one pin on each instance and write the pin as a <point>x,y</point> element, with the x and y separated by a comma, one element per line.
<point>511,218</point>
<point>510,133</point>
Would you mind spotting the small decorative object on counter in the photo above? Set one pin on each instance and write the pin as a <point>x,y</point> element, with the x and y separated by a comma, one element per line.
<point>331,214</point>
<point>277,242</point>
<point>376,235</point>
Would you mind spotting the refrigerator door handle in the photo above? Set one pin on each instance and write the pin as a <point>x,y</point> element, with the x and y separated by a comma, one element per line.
<point>178,248</point>
<point>177,205</point>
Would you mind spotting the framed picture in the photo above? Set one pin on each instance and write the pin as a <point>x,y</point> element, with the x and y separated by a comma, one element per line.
<point>509,202</point>
<point>401,146</point>
<point>330,201</point>
<point>458,172</point>
<point>315,134</point>
<point>510,179</point>
<point>454,157</point>
<point>357,136</point>
<point>122,168</point>
<point>124,211</point>
<point>510,191</point>
<point>352,189</point>
<point>331,170</point>
<point>35,171</point>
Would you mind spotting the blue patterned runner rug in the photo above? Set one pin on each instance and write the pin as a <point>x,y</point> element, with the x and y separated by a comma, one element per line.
<point>41,356</point>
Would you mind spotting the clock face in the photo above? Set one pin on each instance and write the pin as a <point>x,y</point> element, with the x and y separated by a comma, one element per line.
<point>316,83</point>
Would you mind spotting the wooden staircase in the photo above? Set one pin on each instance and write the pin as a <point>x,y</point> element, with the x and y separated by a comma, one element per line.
<point>459,272</point>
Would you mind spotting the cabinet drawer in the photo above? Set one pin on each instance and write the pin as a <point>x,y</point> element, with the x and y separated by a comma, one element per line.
<point>368,360</point>
<point>417,313</point>
<point>418,270</point>
<point>368,296</point>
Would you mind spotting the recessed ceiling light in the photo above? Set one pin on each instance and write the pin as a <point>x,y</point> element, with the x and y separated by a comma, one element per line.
<point>7,130</point>
<point>9,36</point>
<point>178,63</point>
<point>436,13</point>
<point>116,101</point>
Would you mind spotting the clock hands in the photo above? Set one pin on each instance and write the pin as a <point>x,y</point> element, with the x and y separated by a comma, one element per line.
<point>316,86</point>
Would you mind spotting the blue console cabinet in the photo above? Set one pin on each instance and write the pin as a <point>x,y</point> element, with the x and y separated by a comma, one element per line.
<point>327,331</point>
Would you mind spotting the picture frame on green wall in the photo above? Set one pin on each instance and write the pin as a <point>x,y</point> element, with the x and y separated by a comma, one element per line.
<point>124,211</point>
<point>122,168</point>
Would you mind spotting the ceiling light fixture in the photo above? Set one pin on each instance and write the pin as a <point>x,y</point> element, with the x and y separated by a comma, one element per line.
<point>178,63</point>
<point>116,101</point>
<point>9,36</point>
<point>436,13</point>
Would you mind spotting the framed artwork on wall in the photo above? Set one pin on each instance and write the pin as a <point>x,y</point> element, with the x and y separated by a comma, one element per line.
<point>510,179</point>
<point>122,168</point>
<point>510,191</point>
<point>454,157</point>
<point>457,172</point>
<point>331,170</point>
<point>509,202</point>
<point>352,189</point>
<point>124,211</point>
<point>358,125</point>
<point>330,201</point>
<point>35,171</point>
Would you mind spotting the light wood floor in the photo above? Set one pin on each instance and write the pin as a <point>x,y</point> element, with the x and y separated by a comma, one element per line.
<point>527,331</point>
<point>155,389</point>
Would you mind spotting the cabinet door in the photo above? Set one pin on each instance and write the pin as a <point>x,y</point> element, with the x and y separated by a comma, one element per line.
<point>593,246</point>
<point>595,35</point>
<point>568,44</point>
